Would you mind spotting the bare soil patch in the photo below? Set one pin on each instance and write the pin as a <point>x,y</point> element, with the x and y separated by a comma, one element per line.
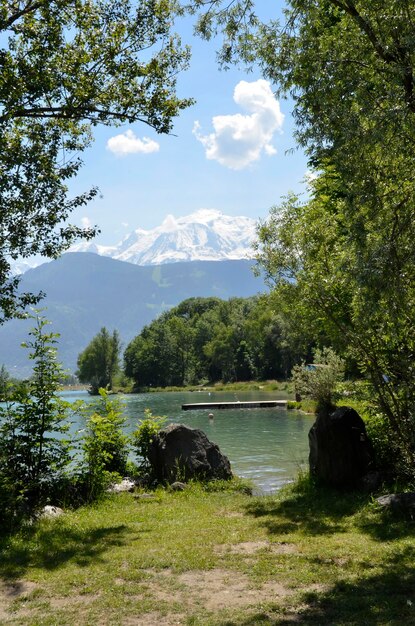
<point>11,591</point>
<point>15,589</point>
<point>216,589</point>
<point>252,547</point>
<point>154,619</point>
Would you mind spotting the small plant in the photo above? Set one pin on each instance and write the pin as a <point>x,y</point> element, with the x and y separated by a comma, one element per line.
<point>318,380</point>
<point>144,435</point>
<point>104,445</point>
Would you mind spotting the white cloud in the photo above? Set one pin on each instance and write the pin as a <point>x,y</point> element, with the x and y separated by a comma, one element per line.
<point>239,140</point>
<point>128,143</point>
<point>86,222</point>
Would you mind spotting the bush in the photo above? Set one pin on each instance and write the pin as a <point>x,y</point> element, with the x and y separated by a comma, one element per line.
<point>104,445</point>
<point>318,380</point>
<point>144,435</point>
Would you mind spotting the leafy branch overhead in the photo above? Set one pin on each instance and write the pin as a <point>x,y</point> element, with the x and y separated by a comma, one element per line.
<point>67,66</point>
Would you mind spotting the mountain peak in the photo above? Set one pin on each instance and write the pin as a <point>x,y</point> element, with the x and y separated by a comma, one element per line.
<point>169,224</point>
<point>205,235</point>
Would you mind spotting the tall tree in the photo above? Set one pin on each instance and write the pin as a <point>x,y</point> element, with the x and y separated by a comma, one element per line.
<point>99,362</point>
<point>67,66</point>
<point>349,67</point>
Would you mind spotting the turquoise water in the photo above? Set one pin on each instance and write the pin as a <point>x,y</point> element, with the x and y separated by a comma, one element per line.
<point>267,446</point>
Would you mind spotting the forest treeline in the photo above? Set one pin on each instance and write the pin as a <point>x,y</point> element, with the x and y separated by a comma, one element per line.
<point>209,339</point>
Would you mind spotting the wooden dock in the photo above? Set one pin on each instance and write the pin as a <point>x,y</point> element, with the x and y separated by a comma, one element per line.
<point>255,404</point>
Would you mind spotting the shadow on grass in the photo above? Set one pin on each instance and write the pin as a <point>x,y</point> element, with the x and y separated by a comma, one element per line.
<point>317,511</point>
<point>385,598</point>
<point>52,545</point>
<point>323,511</point>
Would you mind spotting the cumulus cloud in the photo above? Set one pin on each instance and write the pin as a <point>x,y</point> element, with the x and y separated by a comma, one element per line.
<point>239,140</point>
<point>129,143</point>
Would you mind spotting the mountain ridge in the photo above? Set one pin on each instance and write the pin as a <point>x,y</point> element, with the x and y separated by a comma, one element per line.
<point>205,235</point>
<point>86,291</point>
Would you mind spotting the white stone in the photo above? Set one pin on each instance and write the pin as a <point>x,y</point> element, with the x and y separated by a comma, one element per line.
<point>125,485</point>
<point>50,511</point>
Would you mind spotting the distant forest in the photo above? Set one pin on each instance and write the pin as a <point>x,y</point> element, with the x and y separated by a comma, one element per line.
<point>209,339</point>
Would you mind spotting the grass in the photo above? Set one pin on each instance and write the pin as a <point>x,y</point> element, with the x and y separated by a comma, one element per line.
<point>213,557</point>
<point>307,405</point>
<point>252,385</point>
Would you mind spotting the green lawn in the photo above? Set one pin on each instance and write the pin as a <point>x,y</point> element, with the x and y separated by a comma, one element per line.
<point>207,558</point>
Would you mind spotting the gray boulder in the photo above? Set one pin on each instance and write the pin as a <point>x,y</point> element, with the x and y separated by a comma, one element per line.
<point>340,450</point>
<point>398,502</point>
<point>179,452</point>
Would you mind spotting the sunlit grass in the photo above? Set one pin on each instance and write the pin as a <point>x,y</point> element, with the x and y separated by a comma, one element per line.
<point>253,385</point>
<point>211,557</point>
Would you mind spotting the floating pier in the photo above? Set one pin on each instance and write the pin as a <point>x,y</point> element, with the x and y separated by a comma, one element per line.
<point>255,404</point>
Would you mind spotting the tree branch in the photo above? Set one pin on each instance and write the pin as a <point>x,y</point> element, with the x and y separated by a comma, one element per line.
<point>72,113</point>
<point>401,57</point>
<point>29,8</point>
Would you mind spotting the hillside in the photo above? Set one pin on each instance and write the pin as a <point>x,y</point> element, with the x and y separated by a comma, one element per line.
<point>86,291</point>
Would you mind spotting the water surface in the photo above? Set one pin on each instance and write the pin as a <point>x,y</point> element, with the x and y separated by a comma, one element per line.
<point>267,446</point>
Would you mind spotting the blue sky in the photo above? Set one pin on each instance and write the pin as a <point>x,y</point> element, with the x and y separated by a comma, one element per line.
<point>228,152</point>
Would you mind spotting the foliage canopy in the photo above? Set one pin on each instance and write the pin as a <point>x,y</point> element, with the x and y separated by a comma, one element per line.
<point>98,363</point>
<point>67,66</point>
<point>208,339</point>
<point>345,257</point>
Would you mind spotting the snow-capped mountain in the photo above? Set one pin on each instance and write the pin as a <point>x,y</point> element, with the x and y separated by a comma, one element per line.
<point>206,235</point>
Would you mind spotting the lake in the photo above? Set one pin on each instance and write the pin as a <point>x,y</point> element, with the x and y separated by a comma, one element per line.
<point>267,446</point>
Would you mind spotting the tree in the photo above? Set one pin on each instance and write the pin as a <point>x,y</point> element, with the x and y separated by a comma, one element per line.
<point>150,359</point>
<point>34,450</point>
<point>4,383</point>
<point>66,67</point>
<point>99,362</point>
<point>348,252</point>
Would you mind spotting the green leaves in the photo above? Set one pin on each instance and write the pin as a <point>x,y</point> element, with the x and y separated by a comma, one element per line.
<point>34,451</point>
<point>99,362</point>
<point>143,436</point>
<point>104,445</point>
<point>66,67</point>
<point>318,380</point>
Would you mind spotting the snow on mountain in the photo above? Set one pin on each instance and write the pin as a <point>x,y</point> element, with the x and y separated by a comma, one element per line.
<point>20,266</point>
<point>206,235</point>
<point>90,246</point>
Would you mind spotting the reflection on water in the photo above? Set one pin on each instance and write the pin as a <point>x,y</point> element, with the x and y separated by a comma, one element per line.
<point>268,446</point>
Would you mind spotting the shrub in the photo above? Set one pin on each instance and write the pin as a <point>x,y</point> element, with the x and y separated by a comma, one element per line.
<point>104,445</point>
<point>318,381</point>
<point>144,435</point>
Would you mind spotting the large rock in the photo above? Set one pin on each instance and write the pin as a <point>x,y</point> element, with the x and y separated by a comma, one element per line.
<point>398,502</point>
<point>181,453</point>
<point>340,451</point>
